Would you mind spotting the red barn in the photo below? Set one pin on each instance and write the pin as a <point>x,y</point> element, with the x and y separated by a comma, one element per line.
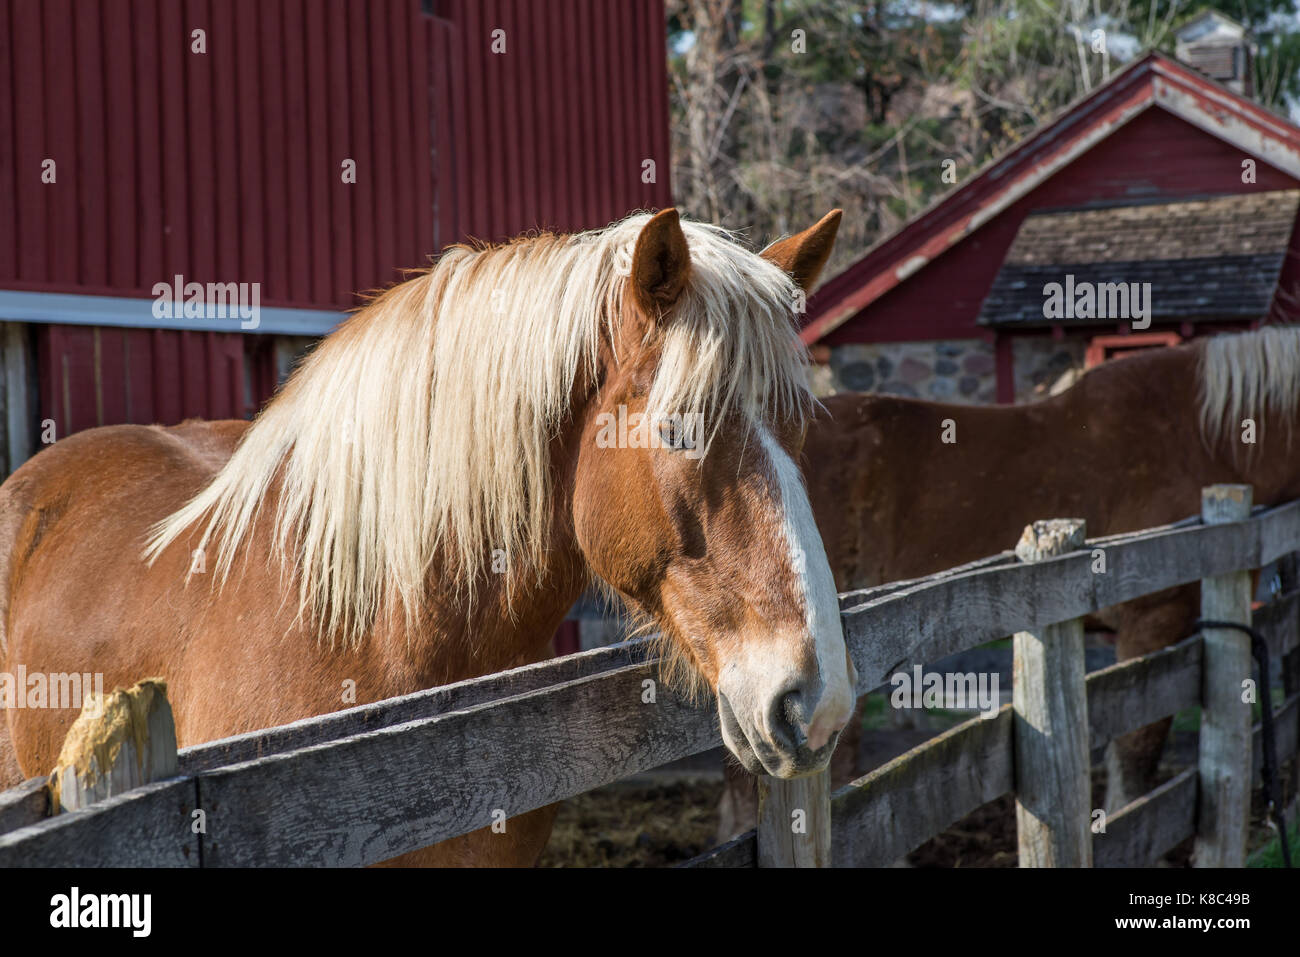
<point>1169,199</point>
<point>314,150</point>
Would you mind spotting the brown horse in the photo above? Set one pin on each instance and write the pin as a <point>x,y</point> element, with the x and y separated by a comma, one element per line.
<point>1129,446</point>
<point>437,483</point>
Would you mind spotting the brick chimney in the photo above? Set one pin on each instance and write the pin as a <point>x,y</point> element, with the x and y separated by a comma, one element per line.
<point>1219,47</point>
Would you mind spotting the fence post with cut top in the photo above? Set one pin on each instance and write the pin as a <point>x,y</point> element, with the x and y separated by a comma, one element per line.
<point>1050,730</point>
<point>121,740</point>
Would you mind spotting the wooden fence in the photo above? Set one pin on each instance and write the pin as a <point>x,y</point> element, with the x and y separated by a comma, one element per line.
<point>360,786</point>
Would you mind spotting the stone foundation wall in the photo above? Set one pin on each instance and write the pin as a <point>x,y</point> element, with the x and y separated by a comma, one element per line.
<point>956,370</point>
<point>959,370</point>
<point>1042,363</point>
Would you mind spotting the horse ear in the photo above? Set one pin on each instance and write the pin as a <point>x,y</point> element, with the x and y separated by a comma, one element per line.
<point>660,263</point>
<point>804,254</point>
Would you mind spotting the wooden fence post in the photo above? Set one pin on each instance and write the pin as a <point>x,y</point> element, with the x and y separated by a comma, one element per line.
<point>1289,573</point>
<point>118,742</point>
<point>794,821</point>
<point>1224,765</point>
<point>1050,731</point>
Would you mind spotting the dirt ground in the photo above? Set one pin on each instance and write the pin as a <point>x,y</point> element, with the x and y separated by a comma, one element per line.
<point>987,837</point>
<point>636,825</point>
<point>654,824</point>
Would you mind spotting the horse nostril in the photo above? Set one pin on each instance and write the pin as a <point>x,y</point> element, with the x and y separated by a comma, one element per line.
<point>789,719</point>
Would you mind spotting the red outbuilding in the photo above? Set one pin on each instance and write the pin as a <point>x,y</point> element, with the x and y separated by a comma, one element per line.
<point>1160,207</point>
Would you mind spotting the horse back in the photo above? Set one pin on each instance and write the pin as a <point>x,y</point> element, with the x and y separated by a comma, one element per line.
<point>81,508</point>
<point>904,487</point>
<point>151,469</point>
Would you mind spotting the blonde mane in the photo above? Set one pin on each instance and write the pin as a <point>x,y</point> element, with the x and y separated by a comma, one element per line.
<point>420,430</point>
<point>1250,375</point>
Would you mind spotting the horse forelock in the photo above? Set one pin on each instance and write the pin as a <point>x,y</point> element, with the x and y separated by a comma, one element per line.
<point>1253,375</point>
<point>420,431</point>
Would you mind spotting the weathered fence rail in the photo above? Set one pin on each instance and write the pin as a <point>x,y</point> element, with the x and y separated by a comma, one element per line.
<point>896,808</point>
<point>363,785</point>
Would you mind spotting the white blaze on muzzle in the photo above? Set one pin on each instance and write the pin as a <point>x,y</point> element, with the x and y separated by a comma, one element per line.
<point>815,583</point>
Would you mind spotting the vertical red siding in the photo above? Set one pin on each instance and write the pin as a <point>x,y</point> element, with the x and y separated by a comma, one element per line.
<point>150,212</point>
<point>420,45</point>
<point>61,145</point>
<point>249,133</point>
<point>273,271</point>
<point>298,160</point>
<point>559,125</point>
<point>567,123</point>
<point>397,95</point>
<point>173,48</point>
<point>8,194</point>
<point>225,166</point>
<point>337,217</point>
<point>450,176</point>
<point>29,144</point>
<point>166,375</point>
<point>317,78</point>
<point>120,158</point>
<point>509,119</point>
<point>198,111</point>
<point>381,171</point>
<point>225,63</point>
<point>361,194</point>
<point>91,175</point>
<point>530,61</point>
<point>92,376</point>
<point>137,356</point>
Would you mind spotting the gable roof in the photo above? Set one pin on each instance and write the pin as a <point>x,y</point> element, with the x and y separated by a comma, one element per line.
<point>1152,81</point>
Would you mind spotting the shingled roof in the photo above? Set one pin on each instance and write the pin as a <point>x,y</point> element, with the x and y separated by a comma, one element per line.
<point>1216,258</point>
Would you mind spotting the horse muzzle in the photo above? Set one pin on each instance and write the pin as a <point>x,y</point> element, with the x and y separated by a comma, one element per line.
<point>785,736</point>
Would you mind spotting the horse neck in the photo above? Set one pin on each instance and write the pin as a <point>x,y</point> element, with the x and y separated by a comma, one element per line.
<point>458,638</point>
<point>1271,467</point>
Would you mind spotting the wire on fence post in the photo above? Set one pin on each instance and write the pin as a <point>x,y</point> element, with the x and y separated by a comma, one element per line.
<point>1268,740</point>
<point>1223,765</point>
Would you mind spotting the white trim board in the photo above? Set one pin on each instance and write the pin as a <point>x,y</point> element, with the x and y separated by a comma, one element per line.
<point>17,306</point>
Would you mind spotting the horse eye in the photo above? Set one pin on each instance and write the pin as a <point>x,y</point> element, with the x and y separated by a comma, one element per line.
<point>670,435</point>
